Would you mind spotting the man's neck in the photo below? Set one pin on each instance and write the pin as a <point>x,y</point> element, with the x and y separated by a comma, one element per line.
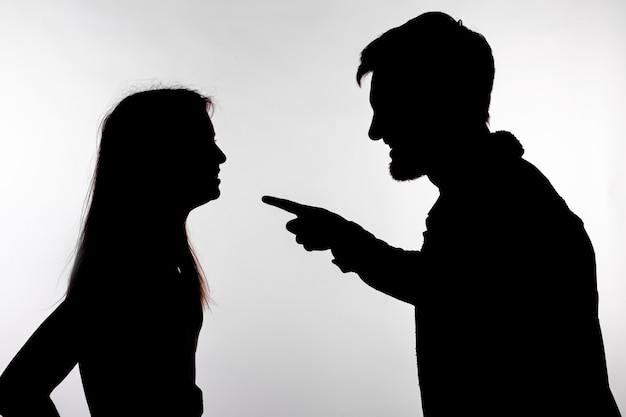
<point>455,162</point>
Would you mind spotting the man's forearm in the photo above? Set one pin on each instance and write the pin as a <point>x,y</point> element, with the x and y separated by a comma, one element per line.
<point>390,270</point>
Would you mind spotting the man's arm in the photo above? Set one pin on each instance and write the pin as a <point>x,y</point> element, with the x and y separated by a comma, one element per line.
<point>390,270</point>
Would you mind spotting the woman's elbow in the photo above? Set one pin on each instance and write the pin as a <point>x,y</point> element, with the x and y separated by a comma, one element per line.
<point>17,400</point>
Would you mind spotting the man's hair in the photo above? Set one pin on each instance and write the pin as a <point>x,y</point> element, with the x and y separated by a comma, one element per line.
<point>440,51</point>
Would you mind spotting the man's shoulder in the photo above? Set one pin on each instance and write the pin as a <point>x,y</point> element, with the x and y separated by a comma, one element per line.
<point>508,174</point>
<point>502,183</point>
<point>530,185</point>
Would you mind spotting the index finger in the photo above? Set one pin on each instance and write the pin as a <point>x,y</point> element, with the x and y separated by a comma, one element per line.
<point>287,205</point>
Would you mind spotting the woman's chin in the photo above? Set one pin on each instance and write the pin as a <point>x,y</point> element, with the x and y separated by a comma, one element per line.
<point>209,196</point>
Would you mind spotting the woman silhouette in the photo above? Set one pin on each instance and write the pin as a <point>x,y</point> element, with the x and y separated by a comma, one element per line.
<point>133,308</point>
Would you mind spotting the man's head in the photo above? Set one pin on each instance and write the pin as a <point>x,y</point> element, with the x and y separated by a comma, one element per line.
<point>431,81</point>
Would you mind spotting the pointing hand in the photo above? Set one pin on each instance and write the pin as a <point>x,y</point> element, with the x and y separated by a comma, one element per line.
<point>354,248</point>
<point>315,228</point>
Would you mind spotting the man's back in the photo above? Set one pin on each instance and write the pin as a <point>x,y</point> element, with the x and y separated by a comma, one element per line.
<point>506,306</point>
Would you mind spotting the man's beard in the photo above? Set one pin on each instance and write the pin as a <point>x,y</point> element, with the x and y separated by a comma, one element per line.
<point>406,170</point>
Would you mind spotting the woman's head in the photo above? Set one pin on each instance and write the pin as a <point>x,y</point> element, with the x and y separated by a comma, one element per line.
<point>158,149</point>
<point>157,161</point>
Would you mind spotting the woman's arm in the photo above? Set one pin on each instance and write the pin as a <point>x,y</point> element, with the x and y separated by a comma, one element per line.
<point>40,365</point>
<point>136,362</point>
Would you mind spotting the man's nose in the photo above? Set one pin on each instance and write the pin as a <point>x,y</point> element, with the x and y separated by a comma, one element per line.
<point>375,132</point>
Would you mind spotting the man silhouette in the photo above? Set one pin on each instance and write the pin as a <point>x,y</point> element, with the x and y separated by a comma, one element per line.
<point>504,286</point>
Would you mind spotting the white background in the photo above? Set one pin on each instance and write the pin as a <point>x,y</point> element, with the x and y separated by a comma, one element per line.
<point>288,334</point>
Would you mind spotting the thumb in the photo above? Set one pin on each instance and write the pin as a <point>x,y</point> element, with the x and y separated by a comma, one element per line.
<point>341,266</point>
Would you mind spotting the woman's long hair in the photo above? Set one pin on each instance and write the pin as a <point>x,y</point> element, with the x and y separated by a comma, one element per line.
<point>141,150</point>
